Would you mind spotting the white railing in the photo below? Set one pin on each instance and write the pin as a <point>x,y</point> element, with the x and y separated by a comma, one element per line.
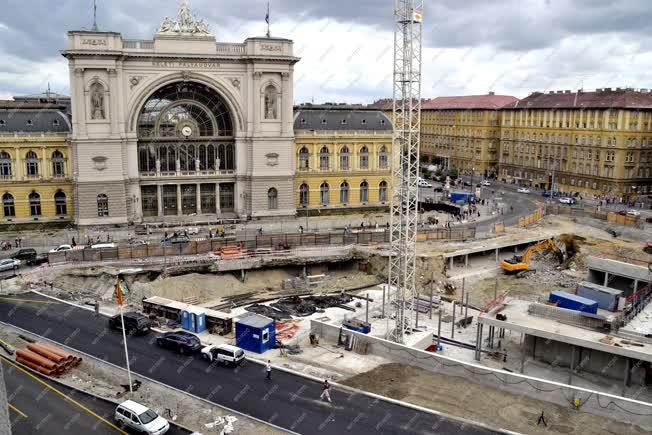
<point>134,44</point>
<point>228,48</point>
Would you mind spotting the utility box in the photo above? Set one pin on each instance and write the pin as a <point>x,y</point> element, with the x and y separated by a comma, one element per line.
<point>255,333</point>
<point>607,298</point>
<point>573,302</point>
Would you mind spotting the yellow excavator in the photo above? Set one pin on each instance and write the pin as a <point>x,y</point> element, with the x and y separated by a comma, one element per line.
<point>520,265</point>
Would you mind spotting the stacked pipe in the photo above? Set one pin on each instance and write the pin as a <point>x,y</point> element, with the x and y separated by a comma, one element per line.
<point>47,359</point>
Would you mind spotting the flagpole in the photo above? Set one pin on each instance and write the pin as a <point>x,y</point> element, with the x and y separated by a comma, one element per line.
<point>118,290</point>
<point>267,19</point>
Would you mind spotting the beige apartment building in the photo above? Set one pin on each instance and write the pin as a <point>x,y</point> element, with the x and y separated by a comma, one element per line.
<point>597,142</point>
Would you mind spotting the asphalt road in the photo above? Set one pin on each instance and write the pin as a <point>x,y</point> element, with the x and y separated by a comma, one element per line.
<point>289,401</point>
<point>37,409</point>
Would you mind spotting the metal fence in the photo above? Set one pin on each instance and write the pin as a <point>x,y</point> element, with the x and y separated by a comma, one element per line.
<point>259,242</point>
<point>609,216</point>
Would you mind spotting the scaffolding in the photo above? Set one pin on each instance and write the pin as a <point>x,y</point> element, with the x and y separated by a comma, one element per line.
<point>405,164</point>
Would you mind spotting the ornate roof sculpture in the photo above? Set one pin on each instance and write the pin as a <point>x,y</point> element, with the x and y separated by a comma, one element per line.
<point>186,23</point>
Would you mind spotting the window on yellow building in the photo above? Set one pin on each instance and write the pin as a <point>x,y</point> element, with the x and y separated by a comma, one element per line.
<point>34,204</point>
<point>5,165</point>
<point>382,191</point>
<point>364,158</point>
<point>8,205</point>
<point>324,191</point>
<point>344,158</point>
<point>304,194</point>
<point>304,159</point>
<point>324,159</point>
<point>58,164</point>
<point>364,191</point>
<point>31,162</point>
<point>60,205</point>
<point>344,192</point>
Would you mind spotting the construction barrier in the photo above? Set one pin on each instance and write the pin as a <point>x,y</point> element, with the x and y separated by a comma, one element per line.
<point>499,227</point>
<point>532,218</point>
<point>257,243</point>
<point>593,213</point>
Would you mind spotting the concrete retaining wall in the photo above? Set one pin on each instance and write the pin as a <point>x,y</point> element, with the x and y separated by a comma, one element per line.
<point>607,405</point>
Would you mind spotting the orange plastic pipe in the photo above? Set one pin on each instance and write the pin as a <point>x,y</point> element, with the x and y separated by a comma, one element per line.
<point>36,359</point>
<point>45,352</point>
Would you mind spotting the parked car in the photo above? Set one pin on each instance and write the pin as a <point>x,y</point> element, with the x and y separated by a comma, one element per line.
<point>523,190</point>
<point>223,354</point>
<point>181,341</point>
<point>423,183</point>
<point>136,243</point>
<point>466,183</point>
<point>143,229</point>
<point>633,213</point>
<point>648,247</point>
<point>24,254</point>
<point>103,245</point>
<point>439,189</point>
<point>9,264</point>
<point>62,248</point>
<point>133,415</point>
<point>567,200</point>
<point>135,323</point>
<point>486,183</point>
<point>174,240</point>
<point>39,259</point>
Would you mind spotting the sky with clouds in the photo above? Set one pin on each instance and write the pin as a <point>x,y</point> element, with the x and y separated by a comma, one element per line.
<point>510,47</point>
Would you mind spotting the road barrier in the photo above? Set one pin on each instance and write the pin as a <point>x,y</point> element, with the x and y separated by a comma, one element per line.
<point>532,218</point>
<point>255,243</point>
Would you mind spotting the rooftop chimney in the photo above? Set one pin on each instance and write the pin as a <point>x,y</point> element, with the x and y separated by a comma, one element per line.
<point>492,93</point>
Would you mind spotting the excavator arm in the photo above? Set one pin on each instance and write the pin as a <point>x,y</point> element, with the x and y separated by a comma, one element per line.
<point>523,263</point>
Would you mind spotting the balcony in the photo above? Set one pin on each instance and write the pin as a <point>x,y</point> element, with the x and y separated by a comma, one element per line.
<point>227,48</point>
<point>136,44</point>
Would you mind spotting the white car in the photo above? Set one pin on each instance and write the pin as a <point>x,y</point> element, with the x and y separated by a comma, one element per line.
<point>133,415</point>
<point>223,353</point>
<point>634,213</point>
<point>9,264</point>
<point>566,200</point>
<point>62,248</point>
<point>486,183</point>
<point>523,190</point>
<point>423,183</point>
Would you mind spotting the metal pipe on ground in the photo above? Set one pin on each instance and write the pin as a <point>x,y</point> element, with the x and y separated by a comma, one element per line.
<point>33,366</point>
<point>36,359</point>
<point>45,352</point>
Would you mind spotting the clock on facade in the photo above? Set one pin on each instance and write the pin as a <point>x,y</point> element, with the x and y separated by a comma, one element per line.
<point>186,131</point>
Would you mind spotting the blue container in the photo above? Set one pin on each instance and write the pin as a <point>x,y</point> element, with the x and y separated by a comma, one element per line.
<point>573,302</point>
<point>186,315</point>
<point>255,333</point>
<point>200,320</point>
<point>607,298</point>
<point>362,327</point>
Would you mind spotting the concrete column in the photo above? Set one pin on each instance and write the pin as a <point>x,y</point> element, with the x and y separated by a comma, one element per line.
<point>198,198</point>
<point>159,199</point>
<point>497,249</point>
<point>451,263</point>
<point>466,260</point>
<point>179,208</point>
<point>258,100</point>
<point>606,279</point>
<point>217,198</point>
<point>523,352</point>
<point>628,374</point>
<point>572,366</point>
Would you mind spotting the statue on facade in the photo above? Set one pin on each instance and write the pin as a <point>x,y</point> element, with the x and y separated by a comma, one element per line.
<point>185,23</point>
<point>270,103</point>
<point>97,101</point>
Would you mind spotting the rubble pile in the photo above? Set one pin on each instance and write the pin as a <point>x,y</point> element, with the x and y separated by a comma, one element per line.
<point>295,306</point>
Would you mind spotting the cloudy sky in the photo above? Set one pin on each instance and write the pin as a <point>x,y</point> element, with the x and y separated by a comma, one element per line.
<point>471,46</point>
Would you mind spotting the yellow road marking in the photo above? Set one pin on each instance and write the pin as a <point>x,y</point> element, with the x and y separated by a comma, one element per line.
<point>17,411</point>
<point>28,300</point>
<point>64,396</point>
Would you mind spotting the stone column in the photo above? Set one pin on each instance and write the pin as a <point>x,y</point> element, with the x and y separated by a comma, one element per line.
<point>78,95</point>
<point>112,109</point>
<point>257,100</point>
<point>44,172</point>
<point>286,104</point>
<point>217,199</point>
<point>179,199</point>
<point>198,198</point>
<point>159,200</point>
<point>18,165</point>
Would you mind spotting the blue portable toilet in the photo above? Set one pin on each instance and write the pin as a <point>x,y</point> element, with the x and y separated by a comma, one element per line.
<point>255,333</point>
<point>200,319</point>
<point>186,316</point>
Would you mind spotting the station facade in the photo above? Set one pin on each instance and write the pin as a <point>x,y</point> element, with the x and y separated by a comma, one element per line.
<point>180,127</point>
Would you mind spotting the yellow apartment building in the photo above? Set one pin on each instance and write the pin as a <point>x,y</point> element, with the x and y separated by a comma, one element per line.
<point>35,166</point>
<point>343,158</point>
<point>463,132</point>
<point>597,142</point>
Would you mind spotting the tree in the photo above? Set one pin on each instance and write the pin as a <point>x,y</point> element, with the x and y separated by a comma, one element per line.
<point>453,174</point>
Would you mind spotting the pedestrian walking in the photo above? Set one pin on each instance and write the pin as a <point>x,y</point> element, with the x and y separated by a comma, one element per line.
<point>268,369</point>
<point>74,243</point>
<point>542,419</point>
<point>326,391</point>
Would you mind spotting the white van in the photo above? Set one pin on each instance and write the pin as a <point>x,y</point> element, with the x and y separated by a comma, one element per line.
<point>223,353</point>
<point>103,245</point>
<point>130,414</point>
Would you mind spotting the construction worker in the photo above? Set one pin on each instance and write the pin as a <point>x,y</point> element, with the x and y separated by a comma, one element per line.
<point>326,391</point>
<point>268,369</point>
<point>542,419</point>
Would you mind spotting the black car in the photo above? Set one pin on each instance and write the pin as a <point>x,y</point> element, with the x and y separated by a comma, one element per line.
<point>174,240</point>
<point>135,323</point>
<point>182,342</point>
<point>24,254</point>
<point>39,259</point>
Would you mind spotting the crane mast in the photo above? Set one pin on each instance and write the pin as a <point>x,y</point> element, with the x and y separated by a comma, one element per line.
<point>406,119</point>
